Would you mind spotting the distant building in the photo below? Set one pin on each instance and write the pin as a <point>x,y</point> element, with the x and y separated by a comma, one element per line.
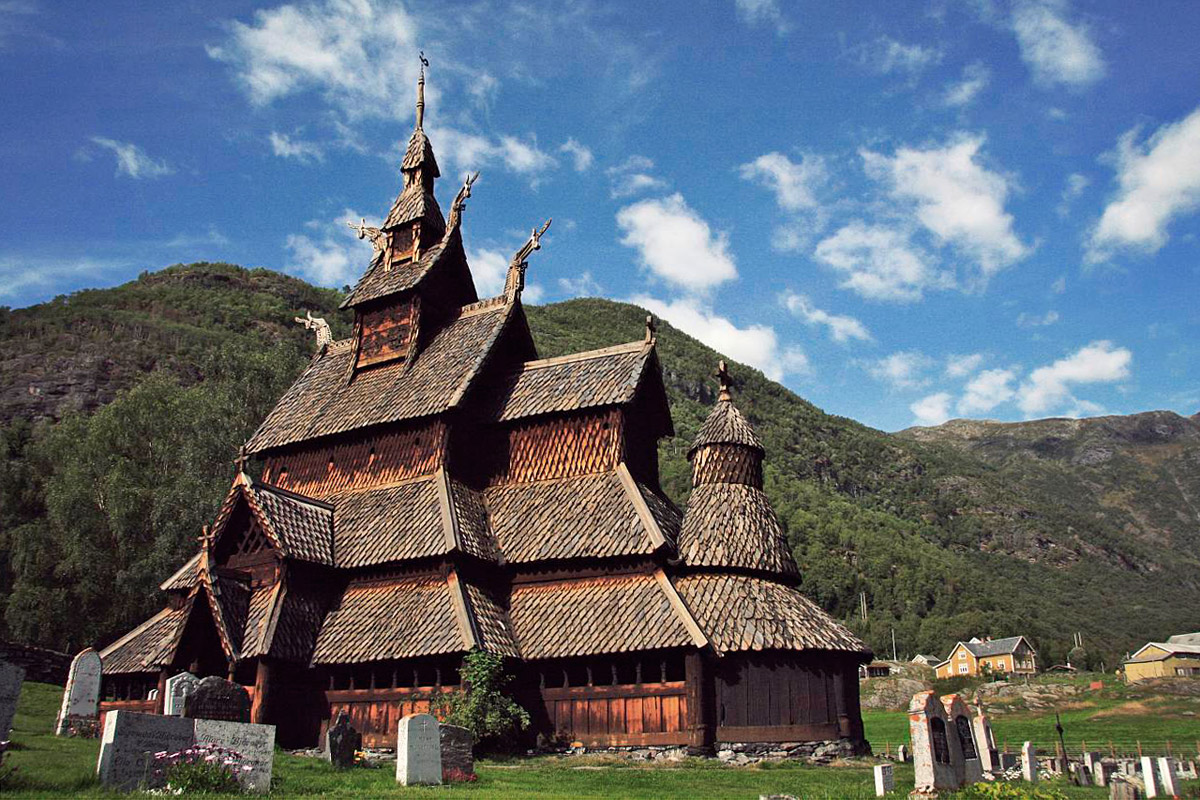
<point>876,669</point>
<point>1013,655</point>
<point>1178,656</point>
<point>928,661</point>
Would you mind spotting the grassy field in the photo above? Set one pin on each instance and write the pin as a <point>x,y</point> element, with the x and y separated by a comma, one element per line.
<point>47,766</point>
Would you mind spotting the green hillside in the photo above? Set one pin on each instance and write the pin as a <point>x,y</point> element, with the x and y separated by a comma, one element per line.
<point>124,406</point>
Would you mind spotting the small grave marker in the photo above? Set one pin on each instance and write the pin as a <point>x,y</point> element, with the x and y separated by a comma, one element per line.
<point>11,678</point>
<point>418,751</point>
<point>1150,776</point>
<point>885,779</point>
<point>178,689</point>
<point>458,751</point>
<point>1168,781</point>
<point>1029,764</point>
<point>341,742</point>
<point>79,714</point>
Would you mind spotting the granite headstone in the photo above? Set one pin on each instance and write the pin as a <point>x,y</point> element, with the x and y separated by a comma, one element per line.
<point>989,759</point>
<point>458,752</point>
<point>1150,776</point>
<point>958,714</point>
<point>418,751</point>
<point>128,745</point>
<point>11,678</point>
<point>937,757</point>
<point>1168,780</point>
<point>254,743</point>
<point>219,699</point>
<point>79,714</point>
<point>1029,762</point>
<point>342,741</point>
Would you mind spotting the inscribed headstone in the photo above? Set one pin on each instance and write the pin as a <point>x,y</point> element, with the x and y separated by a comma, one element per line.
<point>1149,776</point>
<point>885,779</point>
<point>1029,764</point>
<point>80,711</point>
<point>217,698</point>
<point>178,688</point>
<point>458,752</point>
<point>129,742</point>
<point>341,742</point>
<point>1120,789</point>
<point>418,751</point>
<point>254,743</point>
<point>1168,782</point>
<point>11,678</point>
<point>969,769</point>
<point>937,757</point>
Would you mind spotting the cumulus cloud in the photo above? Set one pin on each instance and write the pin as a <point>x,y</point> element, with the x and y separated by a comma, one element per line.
<point>987,390</point>
<point>1027,320</point>
<point>794,184</point>
<point>1159,181</point>
<point>886,55</point>
<point>762,12</point>
<point>632,176</point>
<point>676,244</point>
<point>489,268</point>
<point>469,151</point>
<point>132,161</point>
<point>332,255</point>
<point>880,262</point>
<point>581,156</point>
<point>974,80</point>
<point>842,328</point>
<point>285,146</point>
<point>582,285</point>
<point>960,366</point>
<point>1048,388</point>
<point>932,409</point>
<point>1055,50</point>
<point>954,197</point>
<point>904,369</point>
<point>756,345</point>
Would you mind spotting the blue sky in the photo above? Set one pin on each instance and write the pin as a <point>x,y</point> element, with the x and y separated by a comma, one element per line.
<point>906,212</point>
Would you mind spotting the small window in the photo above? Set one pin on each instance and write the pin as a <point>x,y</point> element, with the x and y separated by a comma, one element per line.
<point>962,669</point>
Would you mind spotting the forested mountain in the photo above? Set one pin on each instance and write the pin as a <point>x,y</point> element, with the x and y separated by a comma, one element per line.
<point>123,407</point>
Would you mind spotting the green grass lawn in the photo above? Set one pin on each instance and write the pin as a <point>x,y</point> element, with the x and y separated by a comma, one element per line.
<point>48,766</point>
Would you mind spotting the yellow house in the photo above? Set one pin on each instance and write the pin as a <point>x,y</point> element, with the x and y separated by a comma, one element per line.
<point>1012,655</point>
<point>1164,660</point>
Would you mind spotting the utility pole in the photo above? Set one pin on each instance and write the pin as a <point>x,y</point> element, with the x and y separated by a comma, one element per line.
<point>894,645</point>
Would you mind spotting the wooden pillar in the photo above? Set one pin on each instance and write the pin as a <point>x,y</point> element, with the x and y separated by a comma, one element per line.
<point>160,703</point>
<point>698,679</point>
<point>845,729</point>
<point>262,690</point>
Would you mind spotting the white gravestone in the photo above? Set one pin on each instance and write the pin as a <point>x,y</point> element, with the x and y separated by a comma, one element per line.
<point>1029,765</point>
<point>1168,781</point>
<point>969,768</point>
<point>254,743</point>
<point>989,759</point>
<point>902,754</point>
<point>178,688</point>
<point>937,757</point>
<point>11,678</point>
<point>885,779</point>
<point>418,751</point>
<point>80,709</point>
<point>1150,776</point>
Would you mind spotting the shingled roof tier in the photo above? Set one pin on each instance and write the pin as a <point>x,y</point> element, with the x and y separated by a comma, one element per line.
<point>150,645</point>
<point>568,383</point>
<point>419,153</point>
<point>300,527</point>
<point>382,279</point>
<point>733,525</point>
<point>593,616</point>
<point>292,634</point>
<point>185,577</point>
<point>321,402</point>
<point>738,613</point>
<point>726,425</point>
<point>590,516</point>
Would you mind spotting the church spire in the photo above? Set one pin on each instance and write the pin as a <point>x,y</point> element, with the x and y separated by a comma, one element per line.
<point>421,92</point>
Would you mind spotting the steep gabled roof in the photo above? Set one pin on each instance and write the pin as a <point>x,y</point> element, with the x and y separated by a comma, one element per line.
<point>419,153</point>
<point>416,202</point>
<point>995,647</point>
<point>150,645</point>
<point>733,525</point>
<point>299,527</point>
<point>185,577</point>
<point>382,280</point>
<point>321,402</point>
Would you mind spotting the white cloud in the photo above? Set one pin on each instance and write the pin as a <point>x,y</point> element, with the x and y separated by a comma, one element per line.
<point>756,345</point>
<point>762,12</point>
<point>987,390</point>
<point>133,160</point>
<point>960,366</point>
<point>1027,320</point>
<point>933,409</point>
<point>359,54</point>
<point>582,285</point>
<point>632,176</point>
<point>489,268</point>
<point>469,151</point>
<point>974,80</point>
<point>902,370</point>
<point>1159,181</point>
<point>886,55</point>
<point>334,257</point>
<point>955,197</point>
<point>21,274</point>
<point>841,327</point>
<point>794,184</point>
<point>1056,51</point>
<point>676,244</point>
<point>1074,187</point>
<point>580,155</point>
<point>1060,285</point>
<point>880,263</point>
<point>285,146</point>
<point>1049,388</point>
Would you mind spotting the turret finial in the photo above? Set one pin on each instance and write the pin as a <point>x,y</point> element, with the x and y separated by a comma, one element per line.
<point>242,460</point>
<point>515,282</point>
<point>651,329</point>
<point>421,91</point>
<point>724,379</point>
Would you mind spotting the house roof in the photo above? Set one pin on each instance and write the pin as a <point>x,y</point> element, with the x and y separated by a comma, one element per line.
<point>994,647</point>
<point>416,202</point>
<point>739,612</point>
<point>382,279</point>
<point>1184,638</point>
<point>298,526</point>
<point>1168,649</point>
<point>732,525</point>
<point>321,401</point>
<point>726,425</point>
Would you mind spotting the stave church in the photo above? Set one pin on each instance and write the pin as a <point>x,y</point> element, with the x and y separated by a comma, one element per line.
<point>430,485</point>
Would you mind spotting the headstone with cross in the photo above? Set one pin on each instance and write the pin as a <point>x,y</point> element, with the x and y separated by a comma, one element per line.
<point>418,751</point>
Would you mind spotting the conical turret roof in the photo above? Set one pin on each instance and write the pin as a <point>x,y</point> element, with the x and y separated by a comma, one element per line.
<point>725,424</point>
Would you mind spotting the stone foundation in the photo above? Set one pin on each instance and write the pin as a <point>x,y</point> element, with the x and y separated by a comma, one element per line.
<point>83,726</point>
<point>738,753</point>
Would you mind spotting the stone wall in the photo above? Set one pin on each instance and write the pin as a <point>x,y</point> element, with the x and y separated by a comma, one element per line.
<point>41,665</point>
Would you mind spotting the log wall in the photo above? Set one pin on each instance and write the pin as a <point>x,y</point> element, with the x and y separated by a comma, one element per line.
<point>377,712</point>
<point>624,715</point>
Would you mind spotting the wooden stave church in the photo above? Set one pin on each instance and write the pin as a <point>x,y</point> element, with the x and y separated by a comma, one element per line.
<point>429,486</point>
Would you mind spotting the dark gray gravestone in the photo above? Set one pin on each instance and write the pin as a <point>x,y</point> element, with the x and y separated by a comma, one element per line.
<point>1123,790</point>
<point>341,742</point>
<point>217,698</point>
<point>458,754</point>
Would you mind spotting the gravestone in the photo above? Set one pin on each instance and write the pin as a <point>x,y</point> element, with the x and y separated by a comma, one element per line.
<point>128,745</point>
<point>902,754</point>
<point>1029,764</point>
<point>1103,774</point>
<point>1008,761</point>
<point>80,711</point>
<point>970,768</point>
<point>1090,760</point>
<point>937,759</point>
<point>11,678</point>
<point>1149,776</point>
<point>254,743</point>
<point>1081,773</point>
<point>458,752</point>
<point>418,751</point>
<point>341,742</point>
<point>989,759</point>
<point>885,779</point>
<point>1120,789</point>
<point>1168,782</point>
<point>219,699</point>
<point>178,688</point>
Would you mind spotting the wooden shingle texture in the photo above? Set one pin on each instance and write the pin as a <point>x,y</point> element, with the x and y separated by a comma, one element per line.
<point>726,425</point>
<point>416,202</point>
<point>302,525</point>
<point>149,645</point>
<point>382,279</point>
<point>300,617</point>
<point>733,525</point>
<point>471,514</point>
<point>258,616</point>
<point>390,524</point>
<point>491,622</point>
<point>185,577</point>
<point>744,613</point>
<point>419,153</point>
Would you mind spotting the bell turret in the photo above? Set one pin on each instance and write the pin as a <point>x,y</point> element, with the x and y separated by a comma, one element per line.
<point>726,449</point>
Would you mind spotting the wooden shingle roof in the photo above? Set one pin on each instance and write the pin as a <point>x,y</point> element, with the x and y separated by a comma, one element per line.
<point>302,525</point>
<point>321,403</point>
<point>416,202</point>
<point>733,525</point>
<point>726,425</point>
<point>150,645</point>
<point>419,153</point>
<point>298,623</point>
<point>185,577</point>
<point>593,616</point>
<point>381,279</point>
<point>745,613</point>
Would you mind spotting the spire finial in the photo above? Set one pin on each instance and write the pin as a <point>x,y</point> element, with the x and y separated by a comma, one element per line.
<point>726,382</point>
<point>651,329</point>
<point>241,460</point>
<point>515,282</point>
<point>421,91</point>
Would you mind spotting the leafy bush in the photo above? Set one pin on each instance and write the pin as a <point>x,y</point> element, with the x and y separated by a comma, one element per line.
<point>1008,791</point>
<point>482,705</point>
<point>200,769</point>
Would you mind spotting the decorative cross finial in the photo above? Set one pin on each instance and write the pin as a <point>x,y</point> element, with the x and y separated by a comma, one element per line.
<point>724,379</point>
<point>651,328</point>
<point>205,538</point>
<point>421,90</point>
<point>242,459</point>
